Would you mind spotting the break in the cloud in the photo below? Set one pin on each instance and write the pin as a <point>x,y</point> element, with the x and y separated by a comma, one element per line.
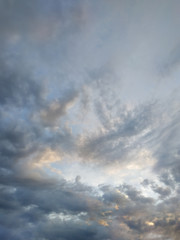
<point>89,120</point>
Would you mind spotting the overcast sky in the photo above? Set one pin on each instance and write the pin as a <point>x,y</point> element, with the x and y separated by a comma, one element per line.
<point>90,119</point>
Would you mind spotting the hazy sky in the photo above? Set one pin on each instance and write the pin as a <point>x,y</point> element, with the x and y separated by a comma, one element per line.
<point>90,119</point>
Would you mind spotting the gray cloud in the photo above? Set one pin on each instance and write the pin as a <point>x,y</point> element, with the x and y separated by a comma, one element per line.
<point>113,144</point>
<point>167,140</point>
<point>51,114</point>
<point>172,62</point>
<point>17,86</point>
<point>65,61</point>
<point>64,210</point>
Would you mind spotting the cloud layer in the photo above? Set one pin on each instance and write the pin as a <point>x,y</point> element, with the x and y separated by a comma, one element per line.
<point>89,120</point>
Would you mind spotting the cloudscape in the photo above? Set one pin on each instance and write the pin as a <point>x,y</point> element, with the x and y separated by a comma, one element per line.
<point>89,120</point>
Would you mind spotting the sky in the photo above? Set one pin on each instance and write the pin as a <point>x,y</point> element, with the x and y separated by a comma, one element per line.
<point>90,120</point>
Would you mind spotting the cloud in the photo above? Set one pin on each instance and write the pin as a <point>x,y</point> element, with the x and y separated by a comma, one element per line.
<point>57,109</point>
<point>40,208</point>
<point>18,87</point>
<point>79,92</point>
<point>115,143</point>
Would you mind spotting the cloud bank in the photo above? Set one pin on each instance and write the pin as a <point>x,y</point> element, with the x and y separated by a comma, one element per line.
<point>89,120</point>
